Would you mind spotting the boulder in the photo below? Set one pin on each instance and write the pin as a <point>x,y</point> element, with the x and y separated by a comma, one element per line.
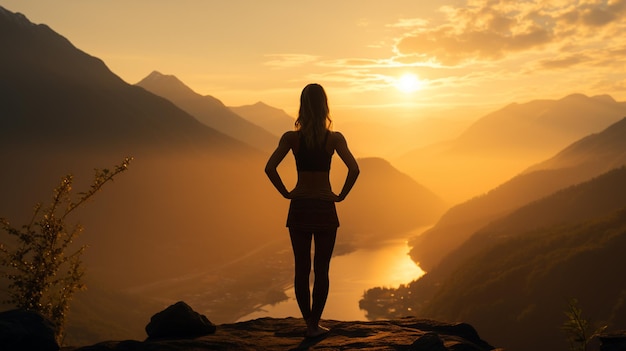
<point>613,342</point>
<point>179,321</point>
<point>428,342</point>
<point>26,330</point>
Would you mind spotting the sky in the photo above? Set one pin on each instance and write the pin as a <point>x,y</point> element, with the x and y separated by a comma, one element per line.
<point>380,55</point>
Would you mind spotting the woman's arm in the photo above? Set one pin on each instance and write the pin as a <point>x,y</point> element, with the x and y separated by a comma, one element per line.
<point>284,145</point>
<point>341,146</point>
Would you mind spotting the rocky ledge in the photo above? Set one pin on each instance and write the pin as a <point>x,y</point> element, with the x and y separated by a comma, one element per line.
<point>179,327</point>
<point>287,334</point>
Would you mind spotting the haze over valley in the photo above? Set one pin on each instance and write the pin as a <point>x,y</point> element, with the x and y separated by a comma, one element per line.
<point>509,209</point>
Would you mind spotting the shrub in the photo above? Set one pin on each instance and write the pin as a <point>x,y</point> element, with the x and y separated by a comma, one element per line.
<point>578,329</point>
<point>37,259</point>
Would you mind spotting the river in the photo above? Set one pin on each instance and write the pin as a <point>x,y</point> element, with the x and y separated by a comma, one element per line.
<point>387,265</point>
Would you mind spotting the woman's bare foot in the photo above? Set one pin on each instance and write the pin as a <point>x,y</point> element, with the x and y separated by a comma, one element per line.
<point>316,331</point>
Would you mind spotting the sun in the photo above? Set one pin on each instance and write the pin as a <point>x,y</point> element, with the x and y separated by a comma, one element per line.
<point>408,83</point>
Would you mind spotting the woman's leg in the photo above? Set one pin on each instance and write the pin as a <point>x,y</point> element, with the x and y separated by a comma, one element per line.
<point>301,244</point>
<point>324,245</point>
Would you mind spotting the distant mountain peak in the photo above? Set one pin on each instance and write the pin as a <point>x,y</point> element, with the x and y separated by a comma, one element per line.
<point>12,22</point>
<point>260,105</point>
<point>605,98</point>
<point>160,78</point>
<point>15,18</point>
<point>582,98</point>
<point>574,97</point>
<point>166,82</point>
<point>156,75</point>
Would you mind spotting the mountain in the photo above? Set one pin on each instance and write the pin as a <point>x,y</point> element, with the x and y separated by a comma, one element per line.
<point>514,276</point>
<point>554,227</point>
<point>587,158</point>
<point>71,98</point>
<point>529,263</point>
<point>596,153</point>
<point>503,143</point>
<point>596,198</point>
<point>70,113</point>
<point>175,211</point>
<point>209,111</point>
<point>393,203</point>
<point>542,125</point>
<point>274,120</point>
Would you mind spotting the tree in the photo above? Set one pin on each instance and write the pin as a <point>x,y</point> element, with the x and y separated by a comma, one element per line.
<point>42,268</point>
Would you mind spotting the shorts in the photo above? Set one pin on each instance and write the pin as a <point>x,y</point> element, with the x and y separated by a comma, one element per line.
<point>312,214</point>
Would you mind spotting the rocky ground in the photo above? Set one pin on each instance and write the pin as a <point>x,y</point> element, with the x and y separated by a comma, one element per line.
<point>287,334</point>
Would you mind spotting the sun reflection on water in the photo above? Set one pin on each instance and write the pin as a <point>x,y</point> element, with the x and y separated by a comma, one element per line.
<point>388,265</point>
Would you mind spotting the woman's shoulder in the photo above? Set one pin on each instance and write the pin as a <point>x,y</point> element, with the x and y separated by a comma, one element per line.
<point>336,136</point>
<point>290,135</point>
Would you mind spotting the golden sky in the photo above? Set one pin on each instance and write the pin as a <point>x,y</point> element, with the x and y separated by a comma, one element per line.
<point>459,53</point>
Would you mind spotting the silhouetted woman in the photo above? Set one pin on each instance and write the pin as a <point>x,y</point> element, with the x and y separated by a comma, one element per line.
<point>312,214</point>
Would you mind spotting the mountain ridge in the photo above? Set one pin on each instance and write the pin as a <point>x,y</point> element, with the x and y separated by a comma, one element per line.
<point>513,276</point>
<point>72,100</point>
<point>208,110</point>
<point>459,222</point>
<point>273,119</point>
<point>401,202</point>
<point>579,151</point>
<point>553,115</point>
<point>512,137</point>
<point>583,221</point>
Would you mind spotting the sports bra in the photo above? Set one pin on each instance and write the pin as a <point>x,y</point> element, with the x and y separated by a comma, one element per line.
<point>312,160</point>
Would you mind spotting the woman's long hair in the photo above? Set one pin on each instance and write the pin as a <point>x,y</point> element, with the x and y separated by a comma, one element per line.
<point>314,116</point>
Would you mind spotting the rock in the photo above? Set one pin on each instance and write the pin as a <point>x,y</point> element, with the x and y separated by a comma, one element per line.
<point>126,345</point>
<point>179,321</point>
<point>26,330</point>
<point>613,342</point>
<point>428,342</point>
<point>280,334</point>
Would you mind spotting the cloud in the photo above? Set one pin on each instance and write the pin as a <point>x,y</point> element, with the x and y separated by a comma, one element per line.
<point>621,51</point>
<point>354,62</point>
<point>409,23</point>
<point>489,30</point>
<point>563,62</point>
<point>289,60</point>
